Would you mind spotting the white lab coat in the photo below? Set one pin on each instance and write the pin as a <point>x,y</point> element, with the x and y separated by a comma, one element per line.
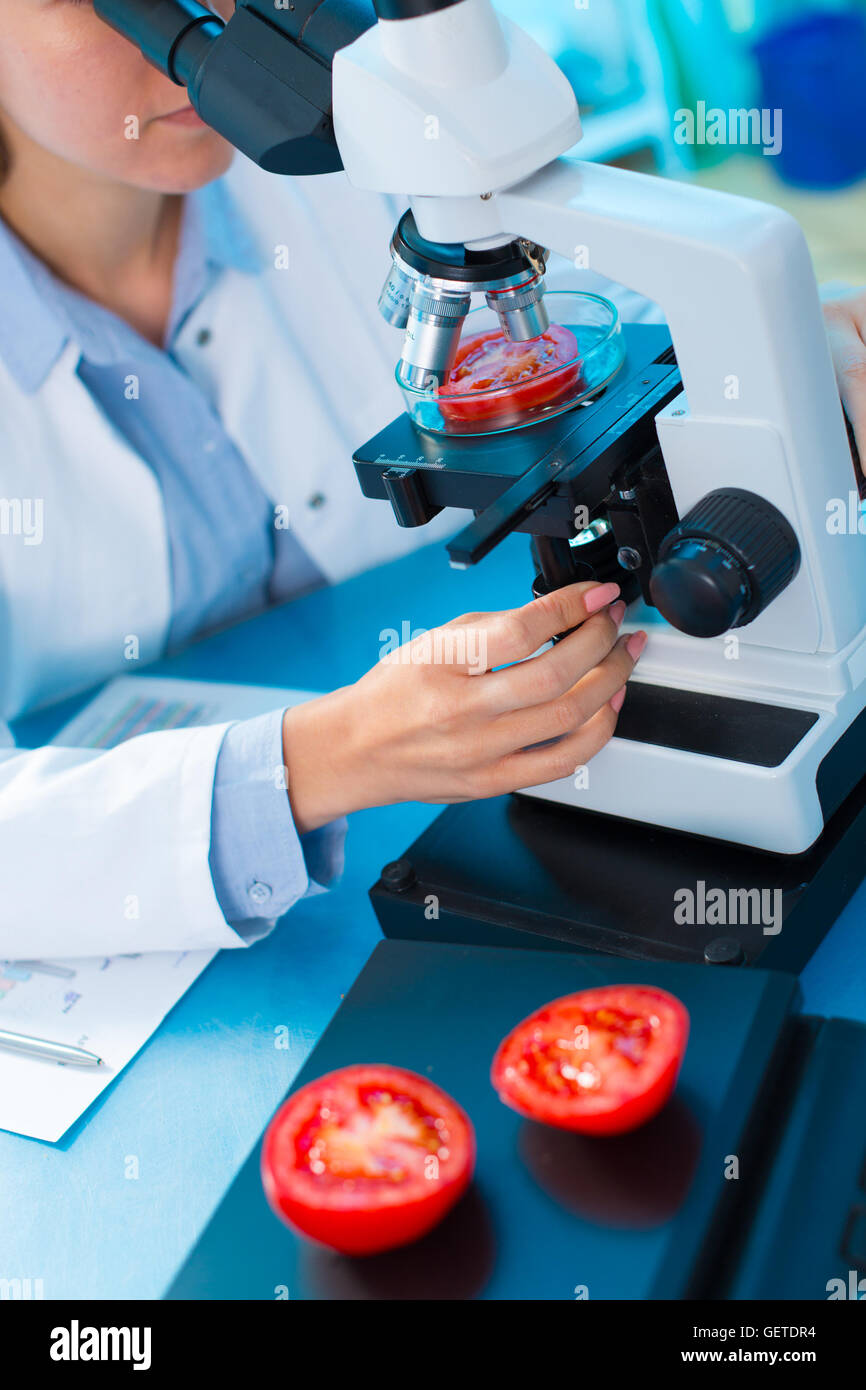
<point>300,367</point>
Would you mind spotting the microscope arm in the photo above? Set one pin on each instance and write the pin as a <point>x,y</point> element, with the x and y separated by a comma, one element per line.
<point>761,408</point>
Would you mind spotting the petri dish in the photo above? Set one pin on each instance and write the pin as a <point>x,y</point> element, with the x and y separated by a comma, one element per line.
<point>567,368</point>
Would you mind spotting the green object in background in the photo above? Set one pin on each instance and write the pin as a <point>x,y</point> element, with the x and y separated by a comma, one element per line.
<point>711,64</point>
<point>683,75</point>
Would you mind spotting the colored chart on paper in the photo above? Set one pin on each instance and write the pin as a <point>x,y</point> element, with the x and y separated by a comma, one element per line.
<point>14,973</point>
<point>141,715</point>
<point>133,705</point>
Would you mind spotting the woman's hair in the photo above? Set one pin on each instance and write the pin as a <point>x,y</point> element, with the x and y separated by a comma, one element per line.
<point>4,158</point>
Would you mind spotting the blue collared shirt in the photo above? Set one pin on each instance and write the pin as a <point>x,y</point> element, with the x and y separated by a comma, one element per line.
<point>227,558</point>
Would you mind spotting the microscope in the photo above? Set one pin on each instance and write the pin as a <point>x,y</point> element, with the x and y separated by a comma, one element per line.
<point>710,474</point>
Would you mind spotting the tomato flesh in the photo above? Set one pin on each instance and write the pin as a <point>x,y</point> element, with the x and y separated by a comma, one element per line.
<point>367,1158</point>
<point>494,379</point>
<point>600,1062</point>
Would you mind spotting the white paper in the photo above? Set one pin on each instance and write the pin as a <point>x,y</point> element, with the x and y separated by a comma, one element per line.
<point>110,1005</point>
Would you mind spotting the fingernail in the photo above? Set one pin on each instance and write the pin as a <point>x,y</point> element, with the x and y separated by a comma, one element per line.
<point>635,644</point>
<point>600,597</point>
<point>616,700</point>
<point>617,611</point>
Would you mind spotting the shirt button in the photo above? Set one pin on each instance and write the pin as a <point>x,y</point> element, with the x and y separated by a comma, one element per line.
<point>317,500</point>
<point>260,892</point>
<point>203,337</point>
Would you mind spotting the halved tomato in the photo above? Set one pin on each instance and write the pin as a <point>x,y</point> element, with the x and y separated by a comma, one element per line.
<point>601,1062</point>
<point>367,1158</point>
<point>494,377</point>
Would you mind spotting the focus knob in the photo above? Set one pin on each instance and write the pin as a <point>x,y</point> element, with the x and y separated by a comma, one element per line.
<point>724,563</point>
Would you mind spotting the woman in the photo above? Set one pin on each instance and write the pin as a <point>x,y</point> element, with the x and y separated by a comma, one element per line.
<point>188,354</point>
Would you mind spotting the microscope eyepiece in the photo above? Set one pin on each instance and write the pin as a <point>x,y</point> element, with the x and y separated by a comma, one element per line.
<point>161,28</point>
<point>262,79</point>
<point>410,9</point>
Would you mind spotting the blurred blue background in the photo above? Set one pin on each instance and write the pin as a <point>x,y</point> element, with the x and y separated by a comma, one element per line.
<point>761,97</point>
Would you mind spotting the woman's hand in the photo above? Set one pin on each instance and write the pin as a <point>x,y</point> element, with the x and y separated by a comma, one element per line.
<point>845,319</point>
<point>436,721</point>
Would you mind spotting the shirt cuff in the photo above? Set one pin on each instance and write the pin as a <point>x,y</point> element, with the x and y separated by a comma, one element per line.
<point>259,864</point>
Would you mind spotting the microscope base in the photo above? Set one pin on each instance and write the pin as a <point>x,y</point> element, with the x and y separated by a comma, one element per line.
<point>514,871</point>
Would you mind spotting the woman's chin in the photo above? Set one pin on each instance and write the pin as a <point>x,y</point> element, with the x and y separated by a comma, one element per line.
<point>206,157</point>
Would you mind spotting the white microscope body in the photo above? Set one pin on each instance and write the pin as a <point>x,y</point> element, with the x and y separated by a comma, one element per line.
<point>463,112</point>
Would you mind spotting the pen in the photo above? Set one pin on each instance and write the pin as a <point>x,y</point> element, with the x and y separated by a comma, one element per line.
<point>49,1051</point>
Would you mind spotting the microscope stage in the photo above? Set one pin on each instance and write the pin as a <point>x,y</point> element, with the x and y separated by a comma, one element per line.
<point>473,471</point>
